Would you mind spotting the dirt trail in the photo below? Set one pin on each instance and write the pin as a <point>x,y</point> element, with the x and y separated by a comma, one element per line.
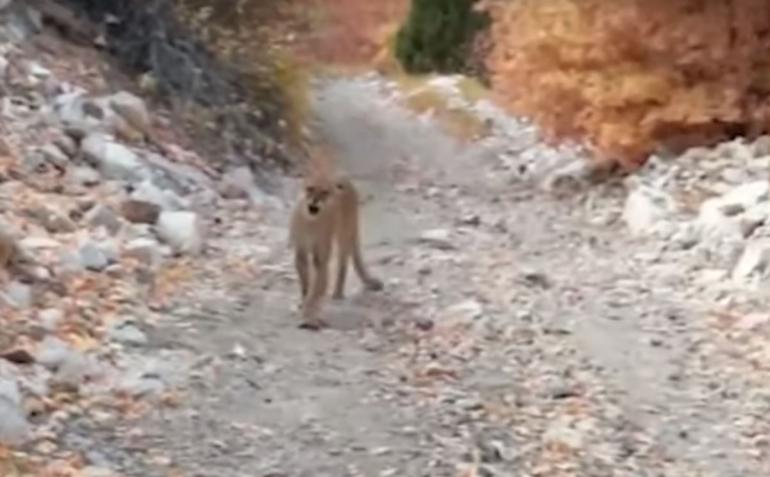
<point>547,346</point>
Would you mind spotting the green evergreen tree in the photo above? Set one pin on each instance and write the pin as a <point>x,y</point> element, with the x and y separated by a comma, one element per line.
<point>437,34</point>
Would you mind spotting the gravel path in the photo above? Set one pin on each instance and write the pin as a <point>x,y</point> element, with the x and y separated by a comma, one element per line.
<point>519,335</point>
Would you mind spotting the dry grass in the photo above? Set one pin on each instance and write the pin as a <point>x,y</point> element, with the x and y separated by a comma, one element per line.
<point>293,79</point>
<point>422,98</point>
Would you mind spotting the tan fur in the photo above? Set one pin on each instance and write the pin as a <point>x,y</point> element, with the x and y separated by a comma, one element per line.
<point>332,223</point>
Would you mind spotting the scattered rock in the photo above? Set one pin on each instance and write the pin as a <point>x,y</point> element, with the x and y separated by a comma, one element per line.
<point>437,238</point>
<point>53,221</point>
<point>182,230</point>
<point>14,428</point>
<point>55,156</point>
<point>92,257</point>
<point>146,384</point>
<point>52,352</point>
<point>747,195</point>
<point>84,176</point>
<point>147,191</point>
<point>18,295</point>
<point>112,159</point>
<point>65,144</point>
<point>104,216</point>
<point>73,371</point>
<point>714,224</point>
<point>146,250</point>
<point>93,471</point>
<point>50,318</point>
<point>471,220</point>
<point>491,451</point>
<point>140,212</point>
<point>34,162</point>
<point>761,146</point>
<point>238,183</point>
<point>126,332</point>
<point>648,211</point>
<point>561,432</point>
<point>72,110</point>
<point>467,310</point>
<point>18,356</point>
<point>686,236</point>
<point>753,321</point>
<point>132,108</point>
<point>753,264</point>
<point>424,324</point>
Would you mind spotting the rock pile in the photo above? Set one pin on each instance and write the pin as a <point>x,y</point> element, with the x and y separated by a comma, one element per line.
<point>713,204</point>
<point>92,215</point>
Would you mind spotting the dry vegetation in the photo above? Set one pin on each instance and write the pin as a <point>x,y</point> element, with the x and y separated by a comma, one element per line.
<point>350,31</point>
<point>632,76</point>
<point>283,40</point>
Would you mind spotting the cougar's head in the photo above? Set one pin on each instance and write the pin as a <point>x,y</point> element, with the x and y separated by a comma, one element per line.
<point>319,192</point>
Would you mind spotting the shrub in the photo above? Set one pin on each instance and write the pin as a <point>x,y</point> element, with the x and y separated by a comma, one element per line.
<point>633,76</point>
<point>437,35</point>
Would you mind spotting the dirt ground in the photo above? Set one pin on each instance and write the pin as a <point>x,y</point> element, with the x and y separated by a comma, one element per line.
<point>518,335</point>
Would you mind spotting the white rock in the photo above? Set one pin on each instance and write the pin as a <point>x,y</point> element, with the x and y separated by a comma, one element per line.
<point>36,69</point>
<point>83,176</point>
<point>18,294</point>
<point>564,433</point>
<point>104,216</point>
<point>714,224</point>
<point>182,230</point>
<point>747,195</point>
<point>52,352</point>
<point>146,250</point>
<point>65,144</point>
<point>9,390</point>
<point>721,251</point>
<point>467,310</point>
<point>92,257</point>
<point>14,428</point>
<point>34,244</point>
<point>753,321</point>
<point>648,210</point>
<point>94,471</point>
<point>50,318</point>
<point>438,238</point>
<point>237,183</point>
<point>75,368</point>
<point>711,276</point>
<point>55,155</point>
<point>753,264</point>
<point>112,159</point>
<point>166,199</point>
<point>686,236</point>
<point>761,146</point>
<point>126,332</point>
<point>736,150</point>
<point>69,110</point>
<point>131,108</point>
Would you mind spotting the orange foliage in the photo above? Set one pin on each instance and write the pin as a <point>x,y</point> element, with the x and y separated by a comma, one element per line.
<point>629,76</point>
<point>350,31</point>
